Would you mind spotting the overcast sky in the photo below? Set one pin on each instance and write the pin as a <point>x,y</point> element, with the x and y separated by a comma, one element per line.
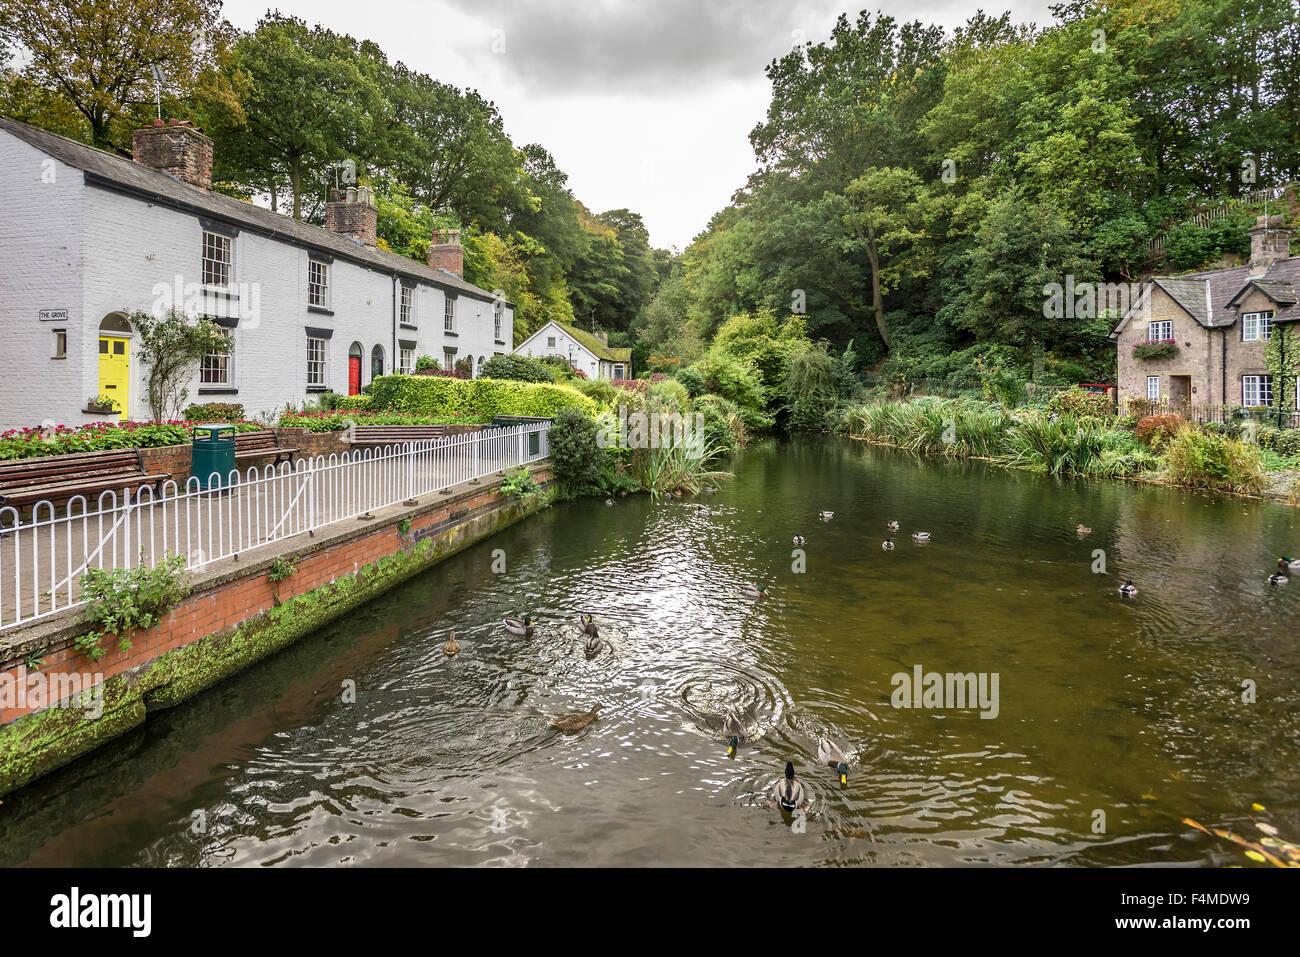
<point>646,105</point>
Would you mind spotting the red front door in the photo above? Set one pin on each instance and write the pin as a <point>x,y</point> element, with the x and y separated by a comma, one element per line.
<point>354,375</point>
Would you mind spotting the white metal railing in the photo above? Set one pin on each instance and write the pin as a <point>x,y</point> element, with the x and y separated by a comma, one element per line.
<point>42,560</point>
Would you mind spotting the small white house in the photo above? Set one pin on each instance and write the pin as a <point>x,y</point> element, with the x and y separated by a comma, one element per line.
<point>90,237</point>
<point>585,351</point>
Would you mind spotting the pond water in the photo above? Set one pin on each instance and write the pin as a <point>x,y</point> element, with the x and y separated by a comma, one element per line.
<point>1131,707</point>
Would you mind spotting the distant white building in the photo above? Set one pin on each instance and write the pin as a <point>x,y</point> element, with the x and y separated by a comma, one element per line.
<point>586,351</point>
<point>90,237</point>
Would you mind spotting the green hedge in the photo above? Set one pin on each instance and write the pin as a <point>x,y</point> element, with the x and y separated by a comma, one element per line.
<point>437,395</point>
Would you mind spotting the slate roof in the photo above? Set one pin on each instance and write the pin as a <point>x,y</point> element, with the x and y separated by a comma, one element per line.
<point>1225,287</point>
<point>109,170</point>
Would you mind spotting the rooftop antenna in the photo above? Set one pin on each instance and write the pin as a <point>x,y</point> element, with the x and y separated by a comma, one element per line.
<point>159,78</point>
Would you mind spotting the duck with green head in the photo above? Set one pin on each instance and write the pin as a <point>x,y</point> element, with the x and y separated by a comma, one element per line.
<point>1287,563</point>
<point>789,791</point>
<point>734,732</point>
<point>754,591</point>
<point>829,754</point>
<point>522,627</point>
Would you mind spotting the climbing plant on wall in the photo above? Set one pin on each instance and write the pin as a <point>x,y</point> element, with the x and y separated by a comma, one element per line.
<point>1282,356</point>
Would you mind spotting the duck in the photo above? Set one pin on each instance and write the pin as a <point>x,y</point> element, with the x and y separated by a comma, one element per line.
<point>609,501</point>
<point>887,545</point>
<point>829,754</point>
<point>798,539</point>
<point>1287,563</point>
<point>1277,579</point>
<point>892,526</point>
<point>710,489</point>
<point>452,646</point>
<point>523,628</point>
<point>789,791</point>
<point>575,722</point>
<point>594,645</point>
<point>735,732</point>
<point>920,537</point>
<point>589,625</point>
<point>754,591</point>
<point>1128,589</point>
<point>706,511</point>
<point>1082,530</point>
<point>825,516</point>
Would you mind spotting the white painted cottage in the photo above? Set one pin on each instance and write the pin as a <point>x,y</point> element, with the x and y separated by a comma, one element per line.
<point>89,237</point>
<point>585,351</point>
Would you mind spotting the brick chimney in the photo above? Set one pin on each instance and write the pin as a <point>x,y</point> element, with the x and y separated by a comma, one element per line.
<point>177,148</point>
<point>353,215</point>
<point>446,252</point>
<point>1270,240</point>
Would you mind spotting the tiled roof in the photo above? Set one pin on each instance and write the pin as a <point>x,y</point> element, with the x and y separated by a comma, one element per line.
<point>1224,287</point>
<point>595,346</point>
<point>157,186</point>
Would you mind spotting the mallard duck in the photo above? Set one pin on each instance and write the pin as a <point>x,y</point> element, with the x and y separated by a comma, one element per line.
<point>594,645</point>
<point>575,722</point>
<point>831,756</point>
<point>734,732</point>
<point>523,628</point>
<point>752,591</point>
<point>789,791</point>
<point>892,526</point>
<point>825,516</point>
<point>920,537</point>
<point>709,489</point>
<point>1286,563</point>
<point>589,625</point>
<point>609,501</point>
<point>452,646</point>
<point>706,511</point>
<point>798,539</point>
<point>1082,530</point>
<point>887,545</point>
<point>1128,590</point>
<point>1277,579</point>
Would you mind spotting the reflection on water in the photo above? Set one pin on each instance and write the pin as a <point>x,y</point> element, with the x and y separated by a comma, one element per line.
<point>1132,707</point>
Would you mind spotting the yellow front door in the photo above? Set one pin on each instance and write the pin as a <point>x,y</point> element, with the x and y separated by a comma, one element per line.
<point>115,371</point>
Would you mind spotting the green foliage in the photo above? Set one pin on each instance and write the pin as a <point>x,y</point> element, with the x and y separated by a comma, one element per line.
<point>215,412</point>
<point>1080,404</point>
<point>100,436</point>
<point>724,424</point>
<point>693,379</point>
<point>339,419</point>
<point>282,568</point>
<point>121,600</point>
<point>601,391</point>
<point>1282,356</point>
<point>170,347</point>
<point>518,368</point>
<point>426,364</point>
<point>1155,350</point>
<point>1215,462</point>
<point>519,483</point>
<point>813,387</point>
<point>577,460</point>
<point>673,392</point>
<point>437,395</point>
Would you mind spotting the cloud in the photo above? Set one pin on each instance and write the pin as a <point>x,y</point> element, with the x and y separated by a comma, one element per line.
<point>631,47</point>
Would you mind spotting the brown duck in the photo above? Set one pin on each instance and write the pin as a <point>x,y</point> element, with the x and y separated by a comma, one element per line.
<point>573,723</point>
<point>452,647</point>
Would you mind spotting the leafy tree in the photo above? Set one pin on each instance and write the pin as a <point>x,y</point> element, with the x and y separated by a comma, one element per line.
<point>171,347</point>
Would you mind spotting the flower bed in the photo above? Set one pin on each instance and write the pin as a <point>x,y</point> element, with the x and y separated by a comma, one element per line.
<point>1155,349</point>
<point>339,419</point>
<point>98,436</point>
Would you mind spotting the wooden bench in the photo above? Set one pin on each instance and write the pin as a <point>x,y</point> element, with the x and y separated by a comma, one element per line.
<point>60,477</point>
<point>252,445</point>
<point>373,436</point>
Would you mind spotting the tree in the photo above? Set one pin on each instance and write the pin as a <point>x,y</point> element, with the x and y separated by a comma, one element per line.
<point>885,218</point>
<point>101,57</point>
<point>171,347</point>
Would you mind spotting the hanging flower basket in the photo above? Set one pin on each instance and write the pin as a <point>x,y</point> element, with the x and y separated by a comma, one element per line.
<point>1156,349</point>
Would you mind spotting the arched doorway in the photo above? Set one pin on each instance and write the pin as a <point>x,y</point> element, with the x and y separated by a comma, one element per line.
<point>479,371</point>
<point>354,368</point>
<point>115,361</point>
<point>376,362</point>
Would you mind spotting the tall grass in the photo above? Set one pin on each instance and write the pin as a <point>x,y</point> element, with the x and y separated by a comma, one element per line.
<point>1214,462</point>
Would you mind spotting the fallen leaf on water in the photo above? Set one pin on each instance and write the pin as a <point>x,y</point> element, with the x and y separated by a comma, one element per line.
<point>1256,856</point>
<point>1259,807</point>
<point>1268,829</point>
<point>1148,797</point>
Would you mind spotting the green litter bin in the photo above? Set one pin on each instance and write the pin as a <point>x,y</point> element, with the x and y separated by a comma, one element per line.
<point>214,451</point>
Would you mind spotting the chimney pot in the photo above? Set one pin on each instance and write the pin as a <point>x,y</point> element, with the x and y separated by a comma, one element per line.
<point>446,252</point>
<point>348,217</point>
<point>178,149</point>
<point>1270,241</point>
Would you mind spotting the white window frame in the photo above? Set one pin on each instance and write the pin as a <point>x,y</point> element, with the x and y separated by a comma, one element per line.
<point>1153,388</point>
<point>449,314</point>
<point>60,344</point>
<point>497,311</point>
<point>1256,326</point>
<point>217,364</point>
<point>1160,330</point>
<point>449,359</point>
<point>1254,389</point>
<point>406,360</point>
<point>318,283</point>
<point>550,342</point>
<point>406,315</point>
<point>319,365</point>
<point>218,260</point>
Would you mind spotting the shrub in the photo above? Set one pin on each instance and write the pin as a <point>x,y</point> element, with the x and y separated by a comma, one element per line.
<point>561,369</point>
<point>1214,462</point>
<point>435,395</point>
<point>732,379</point>
<point>339,419</point>
<point>520,484</point>
<point>604,393</point>
<point>577,460</point>
<point>215,412</point>
<point>120,600</point>
<point>1155,430</point>
<point>518,368</point>
<point>693,379</point>
<point>426,364</point>
<point>812,387</point>
<point>354,402</point>
<point>673,392</point>
<point>1080,404</point>
<point>1159,349</point>
<point>724,426</point>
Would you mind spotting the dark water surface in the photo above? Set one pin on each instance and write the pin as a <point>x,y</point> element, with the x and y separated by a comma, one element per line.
<point>1131,707</point>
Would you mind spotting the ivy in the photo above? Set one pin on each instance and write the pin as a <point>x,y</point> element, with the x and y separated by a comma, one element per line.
<point>120,600</point>
<point>1282,356</point>
<point>520,484</point>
